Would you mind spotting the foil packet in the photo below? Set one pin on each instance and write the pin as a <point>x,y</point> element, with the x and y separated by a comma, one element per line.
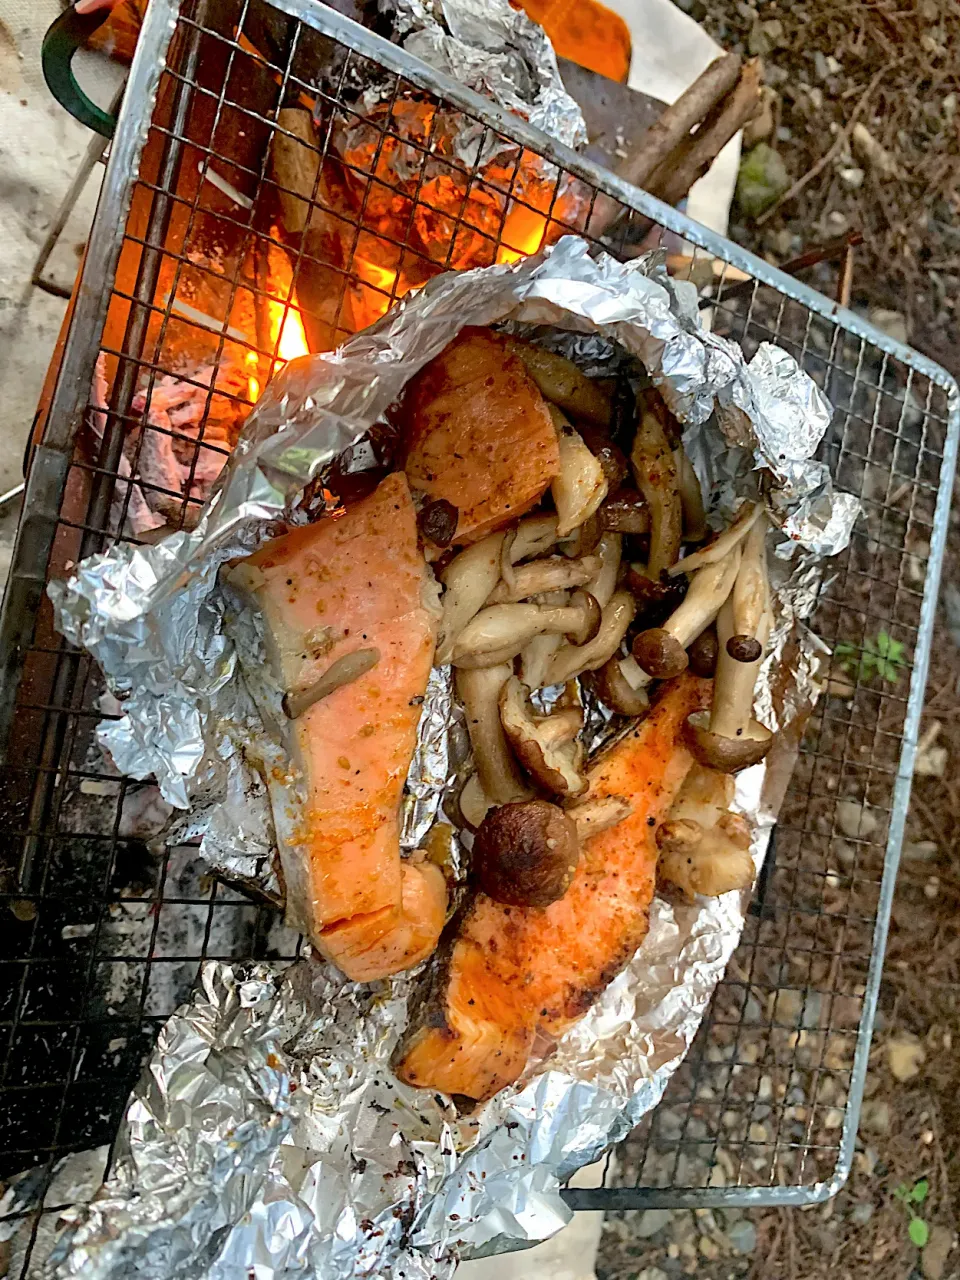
<point>268,1132</point>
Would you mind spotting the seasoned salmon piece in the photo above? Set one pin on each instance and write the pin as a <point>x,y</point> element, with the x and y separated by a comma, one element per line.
<point>508,973</point>
<point>479,433</point>
<point>328,590</point>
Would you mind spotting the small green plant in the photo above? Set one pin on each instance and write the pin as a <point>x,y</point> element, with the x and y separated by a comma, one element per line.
<point>880,656</point>
<point>917,1229</point>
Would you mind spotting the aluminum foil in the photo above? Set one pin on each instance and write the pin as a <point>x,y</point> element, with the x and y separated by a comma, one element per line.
<point>496,51</point>
<point>268,1132</point>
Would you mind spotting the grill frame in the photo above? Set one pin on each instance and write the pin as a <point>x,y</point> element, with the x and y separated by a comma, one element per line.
<point>70,679</point>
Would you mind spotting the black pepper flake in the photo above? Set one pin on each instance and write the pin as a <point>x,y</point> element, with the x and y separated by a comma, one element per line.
<point>651,821</point>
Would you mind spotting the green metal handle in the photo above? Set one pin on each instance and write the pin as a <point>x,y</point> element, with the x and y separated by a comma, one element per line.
<point>64,37</point>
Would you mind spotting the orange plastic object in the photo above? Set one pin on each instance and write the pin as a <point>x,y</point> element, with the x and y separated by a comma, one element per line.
<point>586,32</point>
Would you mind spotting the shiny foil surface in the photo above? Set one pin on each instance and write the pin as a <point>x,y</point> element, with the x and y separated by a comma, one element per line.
<point>268,1136</point>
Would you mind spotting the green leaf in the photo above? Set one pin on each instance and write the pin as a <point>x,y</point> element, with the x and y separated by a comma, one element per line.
<point>919,1232</point>
<point>919,1192</point>
<point>902,1192</point>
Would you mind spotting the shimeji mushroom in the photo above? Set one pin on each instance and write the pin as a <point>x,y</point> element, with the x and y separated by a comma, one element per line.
<point>747,514</point>
<point>655,473</point>
<point>500,631</point>
<point>546,746</point>
<point>728,737</point>
<point>555,573</point>
<point>691,498</point>
<point>621,685</point>
<point>580,485</point>
<point>468,578</point>
<point>751,594</point>
<point>704,848</point>
<point>572,659</point>
<point>479,691</point>
<point>662,651</point>
<point>563,384</point>
<point>526,854</point>
<point>344,671</point>
<point>702,653</point>
<point>625,511</point>
<point>594,814</point>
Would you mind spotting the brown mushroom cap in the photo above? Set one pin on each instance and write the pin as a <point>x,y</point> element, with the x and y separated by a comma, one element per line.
<point>744,648</point>
<point>659,653</point>
<point>552,758</point>
<point>438,522</point>
<point>703,653</point>
<point>656,600</point>
<point>591,617</point>
<point>615,691</point>
<point>611,458</point>
<point>729,755</point>
<point>526,854</point>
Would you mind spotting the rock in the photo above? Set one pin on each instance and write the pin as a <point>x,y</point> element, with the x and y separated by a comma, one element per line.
<point>931,763</point>
<point>861,1214</point>
<point>933,1260</point>
<point>717,1177</point>
<point>761,181</point>
<point>875,1116</point>
<point>920,851</point>
<point>651,1221</point>
<point>851,177</point>
<point>743,1236</point>
<point>836,223</point>
<point>874,153</point>
<point>758,1133</point>
<point>765,1089</point>
<point>931,889</point>
<point>652,1273</point>
<point>905,1056</point>
<point>833,1119</point>
<point>709,1248</point>
<point>820,66</point>
<point>856,820</point>
<point>892,323</point>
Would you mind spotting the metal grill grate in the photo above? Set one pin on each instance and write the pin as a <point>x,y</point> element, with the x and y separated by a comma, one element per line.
<point>103,934</point>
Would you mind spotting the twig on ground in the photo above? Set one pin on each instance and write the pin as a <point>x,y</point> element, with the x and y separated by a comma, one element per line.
<point>842,137</point>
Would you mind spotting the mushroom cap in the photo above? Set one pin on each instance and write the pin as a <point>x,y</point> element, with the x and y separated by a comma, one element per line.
<point>554,765</point>
<point>438,522</point>
<point>659,653</point>
<point>592,615</point>
<point>615,691</point>
<point>703,652</point>
<point>729,755</point>
<point>678,835</point>
<point>656,598</point>
<point>611,457</point>
<point>526,854</point>
<point>744,648</point>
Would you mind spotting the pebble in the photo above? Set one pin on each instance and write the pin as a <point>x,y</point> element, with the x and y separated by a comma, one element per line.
<point>856,820</point>
<point>931,763</point>
<point>758,1133</point>
<point>743,1236</point>
<point>852,177</point>
<point>709,1248</point>
<point>861,1214</point>
<point>931,889</point>
<point>718,1177</point>
<point>833,1119</point>
<point>651,1221</point>
<point>875,1115</point>
<point>920,851</point>
<point>652,1273</point>
<point>933,1259</point>
<point>892,323</point>
<point>905,1056</point>
<point>845,853</point>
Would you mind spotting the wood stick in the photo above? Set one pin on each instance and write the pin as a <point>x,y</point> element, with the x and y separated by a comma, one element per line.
<point>295,165</point>
<point>690,161</point>
<point>693,105</point>
<point>668,132</point>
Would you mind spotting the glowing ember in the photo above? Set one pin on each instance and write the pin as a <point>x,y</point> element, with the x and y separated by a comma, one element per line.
<point>382,279</point>
<point>253,383</point>
<point>522,234</point>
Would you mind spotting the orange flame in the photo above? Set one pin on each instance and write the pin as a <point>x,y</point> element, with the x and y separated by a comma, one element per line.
<point>382,279</point>
<point>286,324</point>
<point>522,234</point>
<point>253,382</point>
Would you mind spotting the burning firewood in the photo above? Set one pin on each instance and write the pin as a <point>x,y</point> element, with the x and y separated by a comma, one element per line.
<point>308,205</point>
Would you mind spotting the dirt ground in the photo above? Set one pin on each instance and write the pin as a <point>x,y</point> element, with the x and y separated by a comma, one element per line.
<point>893,66</point>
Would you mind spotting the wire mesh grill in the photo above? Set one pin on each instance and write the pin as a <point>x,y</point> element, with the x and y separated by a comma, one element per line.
<point>188,291</point>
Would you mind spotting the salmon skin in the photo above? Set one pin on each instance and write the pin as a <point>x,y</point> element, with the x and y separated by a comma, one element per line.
<point>507,973</point>
<point>357,582</point>
<point>479,434</point>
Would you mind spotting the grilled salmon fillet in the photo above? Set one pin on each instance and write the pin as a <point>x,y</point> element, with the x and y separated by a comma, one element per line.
<point>479,434</point>
<point>507,973</point>
<point>358,582</point>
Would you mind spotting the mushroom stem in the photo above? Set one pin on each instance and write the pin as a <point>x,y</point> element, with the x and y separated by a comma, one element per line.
<point>505,628</point>
<point>571,659</point>
<point>561,382</point>
<point>535,659</point>
<point>732,709</point>
<point>580,486</point>
<point>603,584</point>
<point>538,576</point>
<point>468,578</point>
<point>661,651</point>
<point>344,671</point>
<point>723,544</point>
<point>751,591</point>
<point>591,816</point>
<point>691,498</point>
<point>479,691</point>
<point>534,536</point>
<point>655,472</point>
